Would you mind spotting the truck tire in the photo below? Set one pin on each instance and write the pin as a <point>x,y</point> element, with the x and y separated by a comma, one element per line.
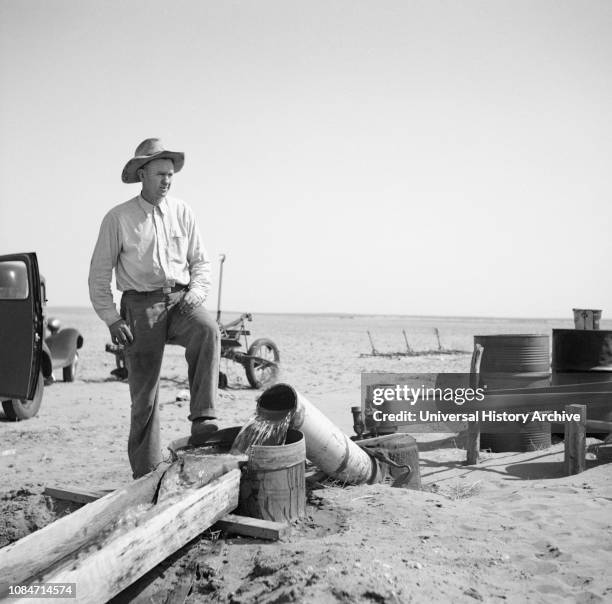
<point>19,409</point>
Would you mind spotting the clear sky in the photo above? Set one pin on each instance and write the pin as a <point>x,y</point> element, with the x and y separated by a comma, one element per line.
<point>432,157</point>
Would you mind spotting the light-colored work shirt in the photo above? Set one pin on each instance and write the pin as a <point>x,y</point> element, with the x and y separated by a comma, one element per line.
<point>149,247</point>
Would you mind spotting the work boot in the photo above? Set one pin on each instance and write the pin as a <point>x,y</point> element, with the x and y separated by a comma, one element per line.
<point>202,427</point>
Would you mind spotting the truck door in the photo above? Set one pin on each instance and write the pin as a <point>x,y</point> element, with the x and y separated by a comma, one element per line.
<point>21,325</point>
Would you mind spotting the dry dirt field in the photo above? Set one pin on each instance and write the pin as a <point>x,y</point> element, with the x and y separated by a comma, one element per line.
<point>513,529</point>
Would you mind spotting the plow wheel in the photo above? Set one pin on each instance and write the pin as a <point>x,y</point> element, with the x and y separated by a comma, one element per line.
<point>263,368</point>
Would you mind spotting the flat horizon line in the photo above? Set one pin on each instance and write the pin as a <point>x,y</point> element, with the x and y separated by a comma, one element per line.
<point>359,314</point>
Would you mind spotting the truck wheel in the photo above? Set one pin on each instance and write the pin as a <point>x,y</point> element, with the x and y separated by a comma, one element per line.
<point>259,374</point>
<point>71,371</point>
<point>24,409</point>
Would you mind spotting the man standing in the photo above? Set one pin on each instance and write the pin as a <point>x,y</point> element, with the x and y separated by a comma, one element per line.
<point>153,244</point>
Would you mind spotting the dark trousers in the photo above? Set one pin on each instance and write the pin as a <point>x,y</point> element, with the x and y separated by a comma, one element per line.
<point>155,320</point>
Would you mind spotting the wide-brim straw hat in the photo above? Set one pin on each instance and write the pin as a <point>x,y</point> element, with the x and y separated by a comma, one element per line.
<point>147,151</point>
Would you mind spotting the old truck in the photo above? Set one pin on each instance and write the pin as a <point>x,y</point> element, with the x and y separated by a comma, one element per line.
<point>30,349</point>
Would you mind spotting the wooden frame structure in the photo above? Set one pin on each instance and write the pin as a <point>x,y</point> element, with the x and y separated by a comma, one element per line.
<point>572,399</point>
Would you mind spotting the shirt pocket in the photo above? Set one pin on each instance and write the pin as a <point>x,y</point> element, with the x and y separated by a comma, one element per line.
<point>178,246</point>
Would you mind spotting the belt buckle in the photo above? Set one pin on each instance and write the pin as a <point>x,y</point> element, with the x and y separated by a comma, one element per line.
<point>167,290</point>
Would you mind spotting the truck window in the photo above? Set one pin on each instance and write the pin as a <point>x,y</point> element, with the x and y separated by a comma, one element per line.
<point>13,280</point>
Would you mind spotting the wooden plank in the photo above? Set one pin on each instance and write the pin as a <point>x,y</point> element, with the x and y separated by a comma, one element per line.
<point>105,569</point>
<point>73,495</point>
<point>522,402</point>
<point>575,441</point>
<point>252,527</point>
<point>232,523</point>
<point>557,389</point>
<point>595,425</point>
<point>473,433</point>
<point>58,539</point>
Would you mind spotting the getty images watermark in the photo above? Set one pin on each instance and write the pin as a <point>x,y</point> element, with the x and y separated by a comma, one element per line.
<point>441,398</point>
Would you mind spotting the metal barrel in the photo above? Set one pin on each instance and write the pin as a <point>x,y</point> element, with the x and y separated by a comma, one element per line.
<point>581,350</point>
<point>581,356</point>
<point>532,436</point>
<point>515,361</point>
<point>514,353</point>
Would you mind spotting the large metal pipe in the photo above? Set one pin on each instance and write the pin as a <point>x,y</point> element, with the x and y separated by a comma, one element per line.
<point>327,446</point>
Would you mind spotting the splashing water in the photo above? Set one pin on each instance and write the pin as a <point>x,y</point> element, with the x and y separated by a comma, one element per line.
<point>261,431</point>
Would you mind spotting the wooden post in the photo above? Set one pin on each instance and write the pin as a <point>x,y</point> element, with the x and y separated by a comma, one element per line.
<point>473,435</point>
<point>408,349</point>
<point>575,441</point>
<point>438,338</point>
<point>374,351</point>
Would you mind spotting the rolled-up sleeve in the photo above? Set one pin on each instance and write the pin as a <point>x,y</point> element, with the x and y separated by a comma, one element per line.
<point>198,260</point>
<point>103,261</point>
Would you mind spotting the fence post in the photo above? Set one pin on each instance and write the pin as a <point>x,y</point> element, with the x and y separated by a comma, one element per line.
<point>575,441</point>
<point>473,435</point>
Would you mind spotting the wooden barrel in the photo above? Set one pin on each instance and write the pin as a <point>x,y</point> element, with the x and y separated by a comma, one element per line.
<point>273,485</point>
<point>515,361</point>
<point>401,449</point>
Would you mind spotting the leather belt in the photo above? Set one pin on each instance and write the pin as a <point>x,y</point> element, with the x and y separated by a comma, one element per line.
<point>162,290</point>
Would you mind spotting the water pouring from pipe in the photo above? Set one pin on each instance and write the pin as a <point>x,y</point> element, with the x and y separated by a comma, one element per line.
<point>266,428</point>
<point>327,446</point>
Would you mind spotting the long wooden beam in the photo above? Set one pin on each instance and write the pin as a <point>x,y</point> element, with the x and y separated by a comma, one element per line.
<point>231,523</point>
<point>558,388</point>
<point>553,401</point>
<point>517,401</point>
<point>104,569</point>
<point>30,556</point>
<point>595,425</point>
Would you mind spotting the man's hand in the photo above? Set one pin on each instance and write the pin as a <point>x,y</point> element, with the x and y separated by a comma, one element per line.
<point>189,301</point>
<point>120,333</point>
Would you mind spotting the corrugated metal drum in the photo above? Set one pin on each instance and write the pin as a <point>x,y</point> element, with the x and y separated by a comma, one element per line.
<point>514,353</point>
<point>515,361</point>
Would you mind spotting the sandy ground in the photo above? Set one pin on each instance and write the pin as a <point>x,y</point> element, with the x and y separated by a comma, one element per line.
<point>512,529</point>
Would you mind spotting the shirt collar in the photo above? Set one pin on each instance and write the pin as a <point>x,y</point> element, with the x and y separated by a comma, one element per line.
<point>149,208</point>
